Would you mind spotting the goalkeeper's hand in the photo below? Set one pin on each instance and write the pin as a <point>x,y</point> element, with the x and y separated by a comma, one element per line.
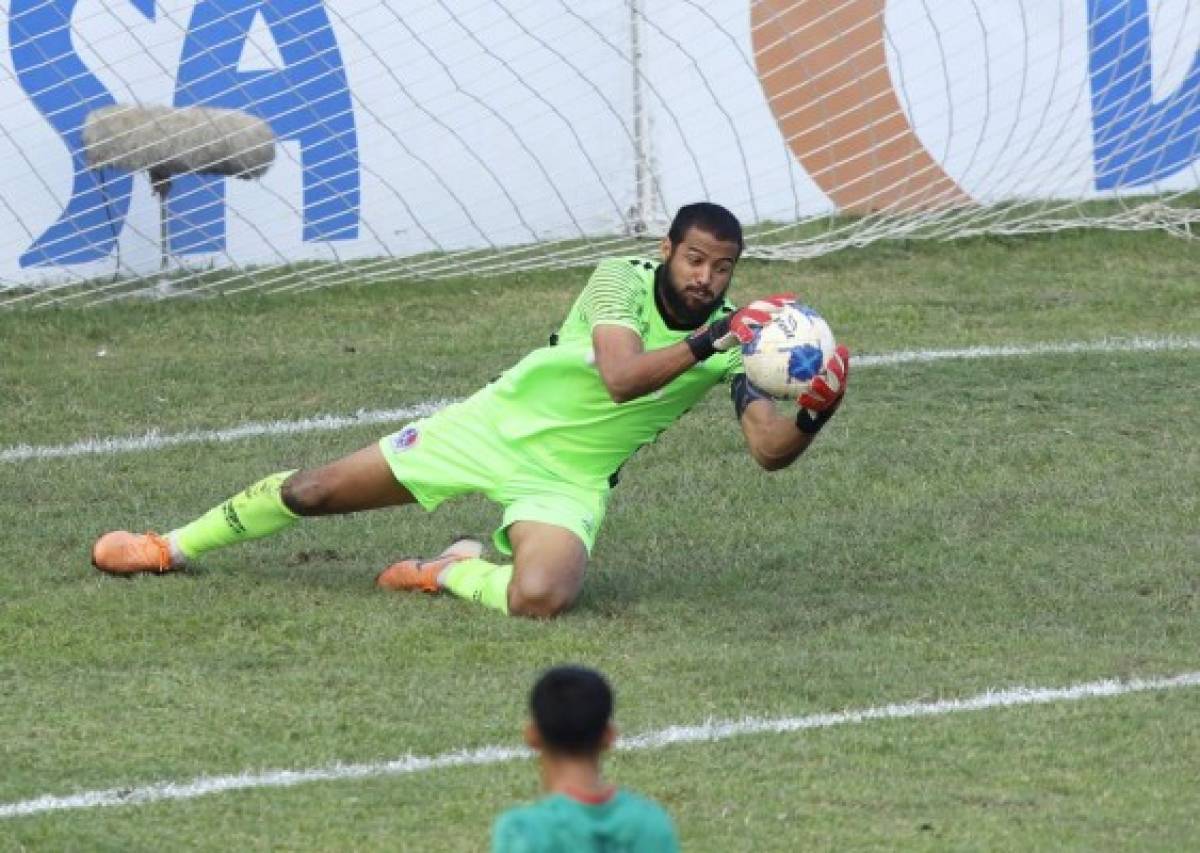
<point>737,328</point>
<point>824,395</point>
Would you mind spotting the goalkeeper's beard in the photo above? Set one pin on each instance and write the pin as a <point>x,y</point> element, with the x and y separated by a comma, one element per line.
<point>676,308</point>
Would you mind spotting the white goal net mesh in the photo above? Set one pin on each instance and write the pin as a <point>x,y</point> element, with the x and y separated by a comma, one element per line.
<point>435,138</point>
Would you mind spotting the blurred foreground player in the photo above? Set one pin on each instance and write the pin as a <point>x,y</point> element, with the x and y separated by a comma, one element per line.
<point>570,725</point>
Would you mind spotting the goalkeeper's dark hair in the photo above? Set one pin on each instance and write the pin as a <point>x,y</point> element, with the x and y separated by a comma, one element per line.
<point>571,707</point>
<point>708,217</point>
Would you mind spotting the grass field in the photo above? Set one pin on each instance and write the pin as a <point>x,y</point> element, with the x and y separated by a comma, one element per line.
<point>964,524</point>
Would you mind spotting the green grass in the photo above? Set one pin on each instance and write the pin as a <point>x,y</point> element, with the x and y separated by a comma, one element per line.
<point>960,526</point>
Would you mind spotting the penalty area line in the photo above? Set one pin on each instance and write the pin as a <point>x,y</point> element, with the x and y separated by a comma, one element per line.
<point>704,733</point>
<point>156,440</point>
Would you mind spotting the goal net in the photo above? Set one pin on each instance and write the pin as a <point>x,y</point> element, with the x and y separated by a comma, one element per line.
<point>434,138</point>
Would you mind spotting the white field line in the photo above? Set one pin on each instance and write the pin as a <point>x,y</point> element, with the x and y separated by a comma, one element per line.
<point>1171,343</point>
<point>703,733</point>
<point>156,440</point>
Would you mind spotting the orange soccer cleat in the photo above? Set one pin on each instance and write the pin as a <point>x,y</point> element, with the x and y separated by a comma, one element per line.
<point>125,553</point>
<point>422,575</point>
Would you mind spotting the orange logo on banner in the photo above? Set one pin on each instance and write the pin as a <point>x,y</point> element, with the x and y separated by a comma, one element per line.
<point>825,74</point>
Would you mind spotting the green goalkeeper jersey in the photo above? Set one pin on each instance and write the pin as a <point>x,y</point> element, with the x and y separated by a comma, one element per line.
<point>553,405</point>
<point>622,823</point>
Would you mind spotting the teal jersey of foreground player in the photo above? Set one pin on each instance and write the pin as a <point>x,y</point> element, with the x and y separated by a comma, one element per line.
<point>623,823</point>
<point>553,404</point>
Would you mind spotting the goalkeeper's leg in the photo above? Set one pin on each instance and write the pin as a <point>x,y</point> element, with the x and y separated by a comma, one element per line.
<point>548,567</point>
<point>362,480</point>
<point>543,580</point>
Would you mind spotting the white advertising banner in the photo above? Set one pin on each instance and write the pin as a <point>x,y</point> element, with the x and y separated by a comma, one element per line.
<point>432,127</point>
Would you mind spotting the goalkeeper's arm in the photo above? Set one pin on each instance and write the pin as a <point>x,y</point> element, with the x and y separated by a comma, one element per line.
<point>775,441</point>
<point>630,371</point>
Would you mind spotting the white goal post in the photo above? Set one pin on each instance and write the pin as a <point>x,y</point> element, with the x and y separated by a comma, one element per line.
<point>470,137</point>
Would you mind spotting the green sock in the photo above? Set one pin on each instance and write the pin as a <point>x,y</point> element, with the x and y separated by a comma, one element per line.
<point>480,581</point>
<point>251,514</point>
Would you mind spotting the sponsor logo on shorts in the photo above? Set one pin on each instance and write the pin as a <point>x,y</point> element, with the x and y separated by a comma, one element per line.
<point>406,439</point>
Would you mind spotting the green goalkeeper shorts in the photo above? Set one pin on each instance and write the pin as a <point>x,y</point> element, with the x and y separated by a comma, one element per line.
<point>456,452</point>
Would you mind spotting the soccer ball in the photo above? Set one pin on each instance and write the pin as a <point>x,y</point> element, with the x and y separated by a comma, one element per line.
<point>789,352</point>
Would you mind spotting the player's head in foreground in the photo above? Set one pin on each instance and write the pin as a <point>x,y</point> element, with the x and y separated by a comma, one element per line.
<point>570,726</point>
<point>570,717</point>
<point>699,253</point>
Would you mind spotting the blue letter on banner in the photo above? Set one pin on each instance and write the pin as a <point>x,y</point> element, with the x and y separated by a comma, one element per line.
<point>1137,140</point>
<point>65,91</point>
<point>307,100</point>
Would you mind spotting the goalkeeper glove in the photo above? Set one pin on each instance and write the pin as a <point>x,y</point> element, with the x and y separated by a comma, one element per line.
<point>823,397</point>
<point>737,328</point>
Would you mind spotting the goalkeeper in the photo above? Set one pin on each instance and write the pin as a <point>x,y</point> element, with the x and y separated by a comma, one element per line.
<point>643,343</point>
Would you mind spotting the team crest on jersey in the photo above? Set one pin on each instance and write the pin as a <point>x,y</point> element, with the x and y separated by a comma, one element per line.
<point>406,439</point>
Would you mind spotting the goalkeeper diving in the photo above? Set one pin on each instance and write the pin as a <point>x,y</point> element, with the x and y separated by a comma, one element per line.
<point>642,344</point>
